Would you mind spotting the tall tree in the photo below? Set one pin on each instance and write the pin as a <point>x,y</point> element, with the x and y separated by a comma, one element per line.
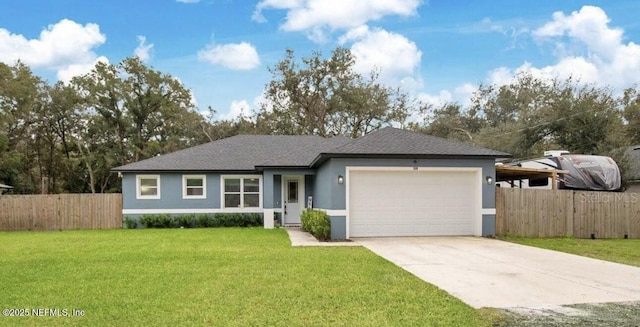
<point>530,115</point>
<point>22,97</point>
<point>630,102</point>
<point>132,112</point>
<point>451,121</point>
<point>327,97</point>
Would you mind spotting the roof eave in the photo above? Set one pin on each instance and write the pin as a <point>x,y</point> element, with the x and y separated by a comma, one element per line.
<point>282,167</point>
<point>322,157</point>
<point>157,171</point>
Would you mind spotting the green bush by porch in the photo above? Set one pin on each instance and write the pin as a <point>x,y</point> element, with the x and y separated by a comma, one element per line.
<point>317,223</point>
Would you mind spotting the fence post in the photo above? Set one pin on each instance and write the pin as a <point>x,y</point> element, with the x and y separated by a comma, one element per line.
<point>499,213</point>
<point>571,215</point>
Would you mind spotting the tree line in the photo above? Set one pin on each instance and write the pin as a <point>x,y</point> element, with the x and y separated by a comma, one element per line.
<point>65,137</point>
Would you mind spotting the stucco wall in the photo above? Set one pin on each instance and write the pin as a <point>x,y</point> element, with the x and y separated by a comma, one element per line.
<point>170,193</point>
<point>327,176</point>
<point>332,196</point>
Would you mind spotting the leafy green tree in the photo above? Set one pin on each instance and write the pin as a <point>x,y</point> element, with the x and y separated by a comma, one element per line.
<point>630,102</point>
<point>318,96</point>
<point>450,121</point>
<point>531,115</point>
<point>132,112</point>
<point>22,97</point>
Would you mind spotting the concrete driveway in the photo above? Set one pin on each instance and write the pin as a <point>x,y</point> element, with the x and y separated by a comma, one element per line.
<point>490,273</point>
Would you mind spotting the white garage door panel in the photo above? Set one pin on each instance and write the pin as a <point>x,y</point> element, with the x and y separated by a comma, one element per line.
<point>411,203</point>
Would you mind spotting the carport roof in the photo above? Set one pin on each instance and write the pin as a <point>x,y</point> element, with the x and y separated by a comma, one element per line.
<point>255,152</point>
<point>513,173</point>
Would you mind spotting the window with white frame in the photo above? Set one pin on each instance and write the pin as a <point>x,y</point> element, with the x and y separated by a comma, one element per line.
<point>194,187</point>
<point>148,186</point>
<point>241,191</point>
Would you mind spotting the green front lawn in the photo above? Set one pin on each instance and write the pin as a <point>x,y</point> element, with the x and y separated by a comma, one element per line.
<point>213,277</point>
<point>616,250</point>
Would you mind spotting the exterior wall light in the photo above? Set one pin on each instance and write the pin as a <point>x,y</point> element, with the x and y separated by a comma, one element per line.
<point>489,180</point>
<point>340,179</point>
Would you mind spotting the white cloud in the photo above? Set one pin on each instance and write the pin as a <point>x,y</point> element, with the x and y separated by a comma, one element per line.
<point>67,73</point>
<point>143,50</point>
<point>237,109</point>
<point>319,17</point>
<point>588,49</point>
<point>588,26</point>
<point>463,93</point>
<point>66,46</point>
<point>437,100</point>
<point>397,59</point>
<point>502,75</point>
<point>237,56</point>
<point>188,1</point>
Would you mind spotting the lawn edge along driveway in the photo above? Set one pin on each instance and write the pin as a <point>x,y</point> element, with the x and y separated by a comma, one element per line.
<point>486,272</point>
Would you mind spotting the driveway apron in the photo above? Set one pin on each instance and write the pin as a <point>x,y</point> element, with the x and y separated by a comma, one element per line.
<point>491,273</point>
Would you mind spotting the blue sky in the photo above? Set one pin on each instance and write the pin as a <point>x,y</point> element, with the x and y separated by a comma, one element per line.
<point>436,50</point>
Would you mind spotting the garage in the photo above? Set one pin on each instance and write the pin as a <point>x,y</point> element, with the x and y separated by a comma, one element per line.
<point>408,202</point>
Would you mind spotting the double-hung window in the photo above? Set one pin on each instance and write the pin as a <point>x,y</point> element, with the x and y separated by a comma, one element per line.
<point>194,187</point>
<point>241,191</point>
<point>148,186</point>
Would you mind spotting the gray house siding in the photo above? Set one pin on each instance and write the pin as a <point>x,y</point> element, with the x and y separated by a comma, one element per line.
<point>338,227</point>
<point>308,189</point>
<point>332,196</point>
<point>170,193</point>
<point>172,201</point>
<point>322,187</point>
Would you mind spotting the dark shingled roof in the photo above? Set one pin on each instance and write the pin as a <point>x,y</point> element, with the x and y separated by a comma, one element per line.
<point>241,153</point>
<point>250,152</point>
<point>391,140</point>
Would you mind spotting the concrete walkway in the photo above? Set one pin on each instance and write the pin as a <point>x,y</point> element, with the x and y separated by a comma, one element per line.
<point>300,238</point>
<point>491,273</point>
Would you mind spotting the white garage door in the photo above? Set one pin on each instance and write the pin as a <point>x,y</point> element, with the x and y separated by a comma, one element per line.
<point>412,203</point>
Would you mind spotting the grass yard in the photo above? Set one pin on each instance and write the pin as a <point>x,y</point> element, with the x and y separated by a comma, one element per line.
<point>213,277</point>
<point>616,250</point>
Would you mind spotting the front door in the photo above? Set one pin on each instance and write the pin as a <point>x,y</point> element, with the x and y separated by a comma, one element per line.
<point>293,197</point>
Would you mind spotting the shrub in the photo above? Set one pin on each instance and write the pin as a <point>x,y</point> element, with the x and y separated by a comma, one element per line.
<point>203,220</point>
<point>238,219</point>
<point>187,221</point>
<point>158,221</point>
<point>148,221</point>
<point>130,222</point>
<point>256,219</point>
<point>317,223</point>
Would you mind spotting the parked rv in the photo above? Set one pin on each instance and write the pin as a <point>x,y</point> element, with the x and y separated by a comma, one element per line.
<point>581,172</point>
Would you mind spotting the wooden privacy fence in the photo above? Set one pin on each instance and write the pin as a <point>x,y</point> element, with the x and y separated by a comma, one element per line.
<point>558,213</point>
<point>60,211</point>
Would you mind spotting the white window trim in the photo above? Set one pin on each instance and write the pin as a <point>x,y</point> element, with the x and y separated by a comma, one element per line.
<point>139,195</point>
<point>241,177</point>
<point>184,186</point>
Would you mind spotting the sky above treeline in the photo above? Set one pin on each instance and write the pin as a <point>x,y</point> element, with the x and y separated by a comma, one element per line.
<point>438,51</point>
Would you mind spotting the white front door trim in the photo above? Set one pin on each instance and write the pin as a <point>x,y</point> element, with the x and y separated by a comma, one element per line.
<point>477,216</point>
<point>301,200</point>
